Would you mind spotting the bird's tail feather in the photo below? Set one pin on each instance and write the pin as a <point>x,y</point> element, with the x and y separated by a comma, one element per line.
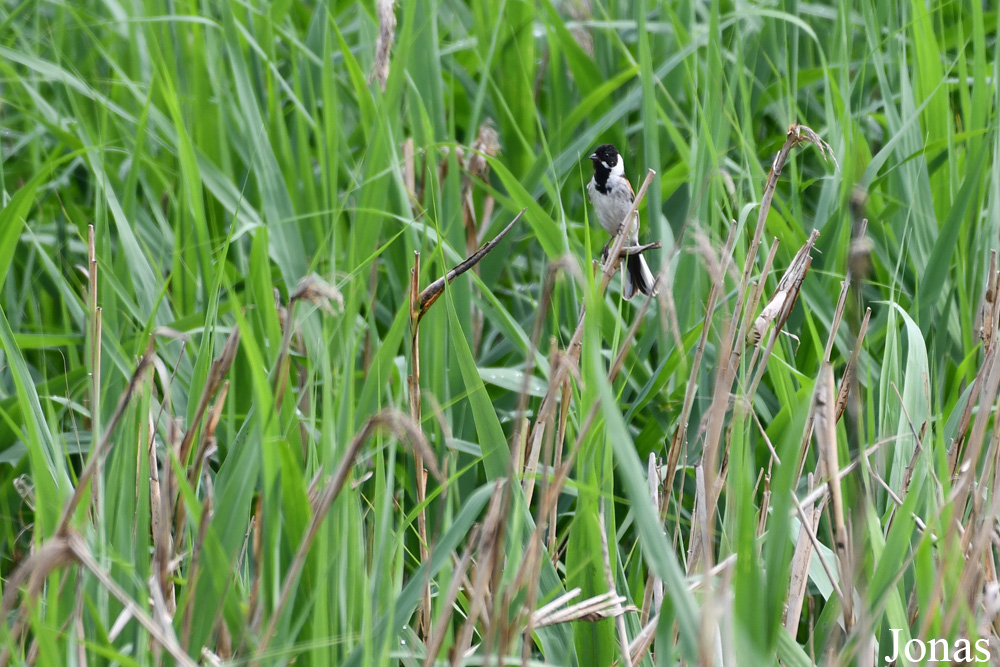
<point>638,277</point>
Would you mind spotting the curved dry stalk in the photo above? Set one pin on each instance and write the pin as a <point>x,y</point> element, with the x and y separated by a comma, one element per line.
<point>97,455</point>
<point>68,548</point>
<point>396,423</point>
<point>432,292</point>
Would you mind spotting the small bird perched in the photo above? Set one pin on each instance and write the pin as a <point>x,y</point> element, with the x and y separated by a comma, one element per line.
<point>612,196</point>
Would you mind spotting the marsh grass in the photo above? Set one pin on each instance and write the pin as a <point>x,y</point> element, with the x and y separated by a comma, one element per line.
<point>240,424</point>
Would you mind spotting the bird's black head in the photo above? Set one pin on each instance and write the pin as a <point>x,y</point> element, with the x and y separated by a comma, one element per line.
<point>604,158</point>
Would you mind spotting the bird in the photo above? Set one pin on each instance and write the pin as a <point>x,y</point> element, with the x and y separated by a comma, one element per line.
<point>612,196</point>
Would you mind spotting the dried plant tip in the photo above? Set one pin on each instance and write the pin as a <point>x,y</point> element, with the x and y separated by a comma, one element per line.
<point>318,292</point>
<point>383,44</point>
<point>487,143</point>
<point>780,306</point>
<point>802,134</point>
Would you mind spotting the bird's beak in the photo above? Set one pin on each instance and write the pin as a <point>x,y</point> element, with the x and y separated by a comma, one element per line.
<point>593,156</point>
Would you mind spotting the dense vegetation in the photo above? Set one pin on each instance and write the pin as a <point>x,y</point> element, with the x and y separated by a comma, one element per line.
<point>234,426</point>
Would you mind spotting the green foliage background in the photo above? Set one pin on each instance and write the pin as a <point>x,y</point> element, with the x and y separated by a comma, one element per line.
<point>225,150</point>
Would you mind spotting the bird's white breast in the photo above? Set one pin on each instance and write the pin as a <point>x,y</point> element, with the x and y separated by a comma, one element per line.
<point>612,207</point>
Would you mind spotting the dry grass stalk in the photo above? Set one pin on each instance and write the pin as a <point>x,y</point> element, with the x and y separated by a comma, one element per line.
<point>597,608</point>
<point>544,416</point>
<point>729,352</point>
<point>847,380</point>
<point>31,574</point>
<point>838,312</point>
<point>765,503</point>
<point>383,43</point>
<point>822,495</point>
<point>643,640</point>
<point>557,459</point>
<point>207,442</point>
<point>800,565</point>
<point>653,593</point>
<point>68,548</point>
<point>158,515</point>
<point>700,545</point>
<point>532,450</point>
<point>436,640</point>
<point>616,366</point>
<point>628,251</point>
<point>679,441</point>
<point>99,452</point>
<point>255,534</point>
<point>978,536</point>
<point>193,571</point>
<point>547,513</point>
<point>392,421</point>
<point>487,144</point>
<point>161,630</point>
<point>988,332</point>
<point>846,383</point>
<point>796,135</point>
<point>609,577</point>
<point>95,333</point>
<point>781,305</point>
<point>413,383</point>
<point>752,337</point>
<point>488,552</point>
<point>668,308</point>
<point>214,380</point>
<point>163,543</point>
<point>826,443</point>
